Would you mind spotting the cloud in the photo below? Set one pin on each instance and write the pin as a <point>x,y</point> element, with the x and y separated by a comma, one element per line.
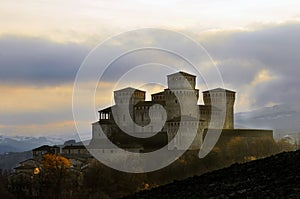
<point>24,98</point>
<point>77,20</point>
<point>63,129</point>
<point>38,62</point>
<point>266,60</point>
<point>262,77</point>
<point>37,75</point>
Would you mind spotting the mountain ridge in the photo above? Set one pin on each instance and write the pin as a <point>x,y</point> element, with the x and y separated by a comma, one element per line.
<point>283,119</point>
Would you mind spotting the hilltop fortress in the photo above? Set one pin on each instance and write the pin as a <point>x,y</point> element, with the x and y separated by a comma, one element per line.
<point>154,124</point>
<point>133,113</point>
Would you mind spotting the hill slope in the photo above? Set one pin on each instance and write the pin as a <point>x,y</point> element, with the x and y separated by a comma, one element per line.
<point>276,176</point>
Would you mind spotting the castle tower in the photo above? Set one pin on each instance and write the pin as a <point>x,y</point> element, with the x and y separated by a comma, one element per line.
<point>126,99</point>
<point>218,97</point>
<point>181,89</point>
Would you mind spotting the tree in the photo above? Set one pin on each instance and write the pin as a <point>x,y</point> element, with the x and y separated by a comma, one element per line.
<point>286,145</point>
<point>101,181</point>
<point>3,186</point>
<point>53,174</point>
<point>244,149</point>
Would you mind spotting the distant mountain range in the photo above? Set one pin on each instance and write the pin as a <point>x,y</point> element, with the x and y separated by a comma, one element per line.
<point>283,119</point>
<point>25,143</point>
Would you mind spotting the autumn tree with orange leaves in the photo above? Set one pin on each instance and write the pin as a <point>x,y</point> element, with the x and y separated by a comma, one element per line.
<point>54,172</point>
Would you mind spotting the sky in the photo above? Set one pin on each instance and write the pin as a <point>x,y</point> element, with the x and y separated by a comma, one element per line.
<point>255,45</point>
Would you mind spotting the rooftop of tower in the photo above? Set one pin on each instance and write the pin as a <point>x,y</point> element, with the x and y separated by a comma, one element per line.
<point>129,89</point>
<point>181,73</point>
<point>159,93</point>
<point>219,90</point>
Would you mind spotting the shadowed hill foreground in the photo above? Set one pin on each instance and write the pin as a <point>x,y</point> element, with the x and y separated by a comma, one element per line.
<point>277,176</point>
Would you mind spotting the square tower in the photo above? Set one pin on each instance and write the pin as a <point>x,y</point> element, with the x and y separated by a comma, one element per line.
<point>181,96</point>
<point>125,99</point>
<point>219,97</point>
<point>181,80</point>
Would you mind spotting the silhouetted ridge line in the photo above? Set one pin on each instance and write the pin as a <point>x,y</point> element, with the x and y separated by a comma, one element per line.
<point>275,177</point>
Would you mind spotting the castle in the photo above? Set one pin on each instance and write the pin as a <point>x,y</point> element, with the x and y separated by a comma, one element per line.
<point>141,119</point>
<point>175,107</point>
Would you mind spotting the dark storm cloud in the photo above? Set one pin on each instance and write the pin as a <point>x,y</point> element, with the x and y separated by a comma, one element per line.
<point>131,49</point>
<point>242,55</point>
<point>285,90</point>
<point>43,62</point>
<point>37,61</point>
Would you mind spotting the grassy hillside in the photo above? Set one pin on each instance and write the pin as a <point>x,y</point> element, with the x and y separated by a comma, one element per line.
<point>275,177</point>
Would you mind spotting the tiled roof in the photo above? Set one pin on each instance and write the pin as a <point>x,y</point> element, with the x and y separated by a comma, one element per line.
<point>25,167</point>
<point>45,147</point>
<point>160,93</point>
<point>180,73</point>
<point>218,90</point>
<point>31,159</point>
<point>108,109</point>
<point>129,89</point>
<point>74,147</point>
